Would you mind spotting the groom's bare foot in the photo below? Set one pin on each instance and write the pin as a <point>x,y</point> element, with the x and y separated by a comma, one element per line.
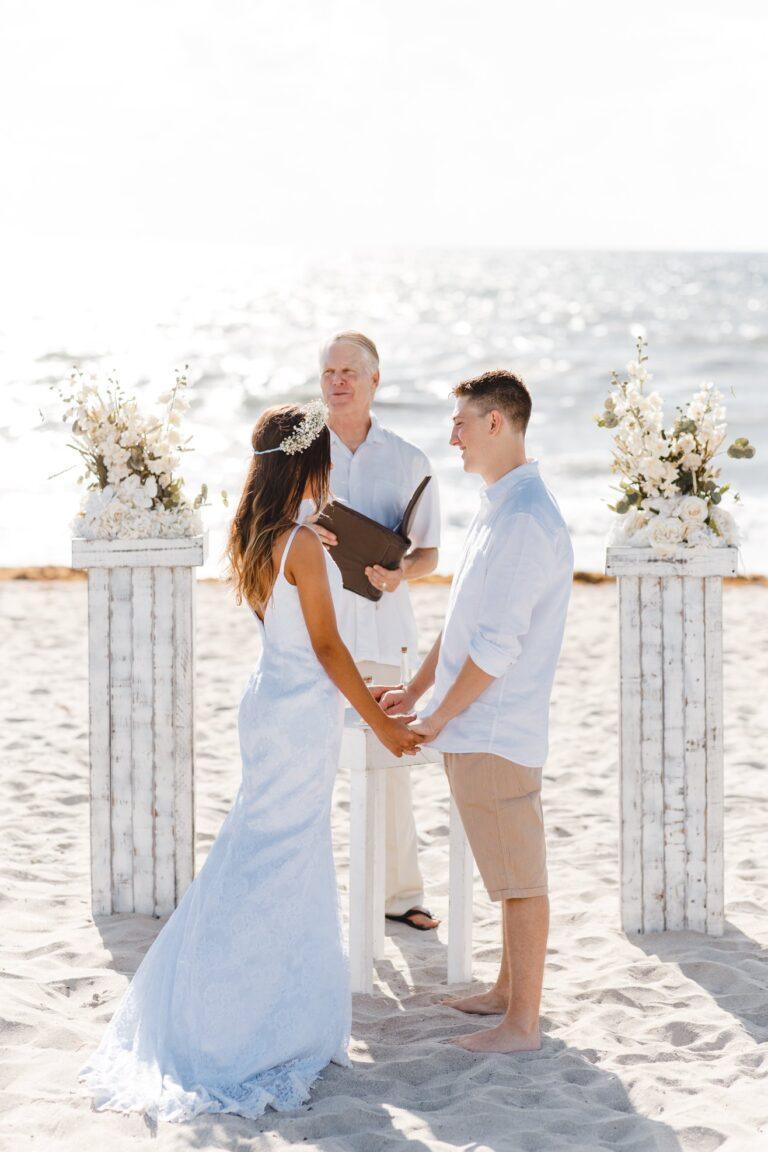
<point>503,1038</point>
<point>492,1003</point>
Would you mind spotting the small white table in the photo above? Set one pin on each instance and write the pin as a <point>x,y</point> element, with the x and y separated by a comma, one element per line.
<point>368,760</point>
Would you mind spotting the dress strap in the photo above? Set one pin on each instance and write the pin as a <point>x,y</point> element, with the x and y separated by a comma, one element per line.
<point>288,543</point>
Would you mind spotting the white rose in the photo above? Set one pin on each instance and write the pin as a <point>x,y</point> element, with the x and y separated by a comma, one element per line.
<point>699,536</point>
<point>725,525</point>
<point>630,529</point>
<point>693,510</point>
<point>664,534</point>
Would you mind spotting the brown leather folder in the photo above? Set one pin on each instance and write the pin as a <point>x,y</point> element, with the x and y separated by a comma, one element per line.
<point>363,542</point>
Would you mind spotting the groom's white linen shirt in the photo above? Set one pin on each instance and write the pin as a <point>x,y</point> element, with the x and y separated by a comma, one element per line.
<point>506,611</point>
<point>378,479</point>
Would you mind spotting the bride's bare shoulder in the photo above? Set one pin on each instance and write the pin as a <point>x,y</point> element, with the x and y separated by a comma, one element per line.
<point>306,554</point>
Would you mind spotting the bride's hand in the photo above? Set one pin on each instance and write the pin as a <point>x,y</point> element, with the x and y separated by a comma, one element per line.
<point>395,735</point>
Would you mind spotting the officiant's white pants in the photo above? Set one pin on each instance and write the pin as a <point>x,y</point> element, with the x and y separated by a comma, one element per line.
<point>404,887</point>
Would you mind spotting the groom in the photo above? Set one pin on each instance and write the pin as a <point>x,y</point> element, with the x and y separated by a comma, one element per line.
<point>492,668</point>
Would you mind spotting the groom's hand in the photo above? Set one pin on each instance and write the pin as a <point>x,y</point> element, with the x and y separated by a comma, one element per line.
<point>396,701</point>
<point>379,690</point>
<point>385,579</point>
<point>428,728</point>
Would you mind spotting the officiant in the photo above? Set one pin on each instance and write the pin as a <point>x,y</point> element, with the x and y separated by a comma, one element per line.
<point>376,472</point>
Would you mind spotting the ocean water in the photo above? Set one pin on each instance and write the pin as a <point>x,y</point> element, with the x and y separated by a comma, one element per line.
<point>249,323</point>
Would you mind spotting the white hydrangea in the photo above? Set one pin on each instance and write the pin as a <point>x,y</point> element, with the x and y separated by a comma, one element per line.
<point>664,535</point>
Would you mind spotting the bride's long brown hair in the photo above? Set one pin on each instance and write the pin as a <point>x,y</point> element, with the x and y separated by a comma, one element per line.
<point>272,495</point>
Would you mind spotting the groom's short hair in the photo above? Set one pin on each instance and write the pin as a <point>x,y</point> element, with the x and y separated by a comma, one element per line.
<point>501,390</point>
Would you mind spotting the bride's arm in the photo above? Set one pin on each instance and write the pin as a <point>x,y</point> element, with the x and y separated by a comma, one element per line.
<point>305,567</point>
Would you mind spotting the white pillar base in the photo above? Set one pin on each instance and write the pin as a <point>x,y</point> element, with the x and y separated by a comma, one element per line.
<point>141,669</point>
<point>671,738</point>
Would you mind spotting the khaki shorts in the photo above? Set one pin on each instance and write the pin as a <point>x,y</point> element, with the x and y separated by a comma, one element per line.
<point>500,807</point>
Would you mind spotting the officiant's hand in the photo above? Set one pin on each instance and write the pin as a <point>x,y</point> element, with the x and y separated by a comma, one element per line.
<point>385,579</point>
<point>326,537</point>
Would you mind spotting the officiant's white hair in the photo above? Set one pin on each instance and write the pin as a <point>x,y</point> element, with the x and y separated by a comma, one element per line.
<point>360,341</point>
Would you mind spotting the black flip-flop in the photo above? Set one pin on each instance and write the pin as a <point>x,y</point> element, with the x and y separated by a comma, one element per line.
<point>406,918</point>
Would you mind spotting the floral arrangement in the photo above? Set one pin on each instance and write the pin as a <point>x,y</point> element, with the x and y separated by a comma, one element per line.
<point>130,461</point>
<point>670,490</point>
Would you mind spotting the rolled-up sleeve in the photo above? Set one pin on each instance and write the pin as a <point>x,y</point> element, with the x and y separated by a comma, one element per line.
<point>519,565</point>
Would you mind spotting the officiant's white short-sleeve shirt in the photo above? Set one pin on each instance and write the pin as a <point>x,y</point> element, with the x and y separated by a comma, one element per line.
<point>378,479</point>
<point>507,609</point>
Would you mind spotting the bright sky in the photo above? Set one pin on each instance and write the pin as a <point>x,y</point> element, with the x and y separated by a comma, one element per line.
<point>314,122</point>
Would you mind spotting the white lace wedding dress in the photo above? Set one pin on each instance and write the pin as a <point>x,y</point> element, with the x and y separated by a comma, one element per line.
<point>243,998</point>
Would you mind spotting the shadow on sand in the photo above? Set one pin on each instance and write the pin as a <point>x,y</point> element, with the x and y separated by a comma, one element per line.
<point>426,1093</point>
<point>732,969</point>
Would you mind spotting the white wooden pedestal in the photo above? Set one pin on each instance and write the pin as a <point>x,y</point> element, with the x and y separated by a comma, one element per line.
<point>141,666</point>
<point>671,738</point>
<point>368,760</point>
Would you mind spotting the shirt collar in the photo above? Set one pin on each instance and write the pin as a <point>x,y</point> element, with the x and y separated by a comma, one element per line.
<point>375,434</point>
<point>497,491</point>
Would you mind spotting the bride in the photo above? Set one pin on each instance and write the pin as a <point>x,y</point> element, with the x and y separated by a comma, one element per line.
<point>243,998</point>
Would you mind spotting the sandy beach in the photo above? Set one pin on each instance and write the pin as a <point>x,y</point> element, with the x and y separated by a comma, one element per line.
<point>654,1043</point>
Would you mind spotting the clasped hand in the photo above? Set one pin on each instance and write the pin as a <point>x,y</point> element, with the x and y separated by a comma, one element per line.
<point>396,700</point>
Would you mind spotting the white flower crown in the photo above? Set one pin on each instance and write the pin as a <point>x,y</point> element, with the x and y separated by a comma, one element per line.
<point>315,419</point>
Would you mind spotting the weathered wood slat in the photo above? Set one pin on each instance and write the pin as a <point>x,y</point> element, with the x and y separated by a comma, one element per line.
<point>99,743</point>
<point>120,738</point>
<point>138,553</point>
<point>674,754</point>
<point>630,733</point>
<point>165,752</point>
<point>695,753</point>
<point>652,753</point>
<point>143,752</point>
<point>646,562</point>
<point>183,717</point>
<point>713,607</point>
